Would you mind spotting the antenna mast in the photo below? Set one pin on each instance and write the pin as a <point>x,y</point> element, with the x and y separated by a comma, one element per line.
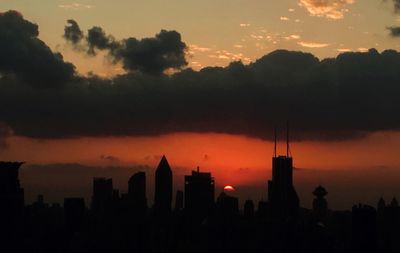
<point>275,142</point>
<point>287,140</point>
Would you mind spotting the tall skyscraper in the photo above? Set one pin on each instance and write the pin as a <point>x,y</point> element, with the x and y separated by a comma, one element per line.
<point>163,188</point>
<point>199,194</point>
<point>102,194</point>
<point>137,190</point>
<point>11,193</point>
<point>282,195</point>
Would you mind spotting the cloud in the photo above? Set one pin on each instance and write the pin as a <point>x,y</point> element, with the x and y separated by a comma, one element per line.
<point>23,54</point>
<point>332,9</point>
<point>346,97</point>
<point>149,55</point>
<point>312,44</point>
<point>394,31</point>
<point>5,132</point>
<point>110,158</point>
<point>76,6</point>
<point>72,32</point>
<point>283,18</point>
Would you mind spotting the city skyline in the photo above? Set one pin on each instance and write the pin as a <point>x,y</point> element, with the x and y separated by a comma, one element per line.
<point>329,68</point>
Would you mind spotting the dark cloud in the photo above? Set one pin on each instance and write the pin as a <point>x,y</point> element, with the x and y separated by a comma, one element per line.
<point>110,158</point>
<point>396,5</point>
<point>24,55</point>
<point>72,32</point>
<point>5,132</point>
<point>97,39</point>
<point>149,55</point>
<point>394,31</point>
<point>153,55</point>
<point>346,97</point>
<point>339,98</point>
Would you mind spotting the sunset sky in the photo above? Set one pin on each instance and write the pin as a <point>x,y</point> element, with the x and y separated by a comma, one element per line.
<point>202,83</point>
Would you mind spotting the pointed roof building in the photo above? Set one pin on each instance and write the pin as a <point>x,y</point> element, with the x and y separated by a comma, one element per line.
<point>163,187</point>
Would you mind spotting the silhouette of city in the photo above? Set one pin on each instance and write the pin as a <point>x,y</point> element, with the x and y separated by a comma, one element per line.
<point>199,222</point>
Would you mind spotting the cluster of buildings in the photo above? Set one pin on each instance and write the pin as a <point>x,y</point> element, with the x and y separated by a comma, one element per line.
<point>196,216</point>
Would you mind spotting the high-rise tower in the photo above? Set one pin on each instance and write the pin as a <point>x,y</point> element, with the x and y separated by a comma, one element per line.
<point>282,195</point>
<point>137,191</point>
<point>163,188</point>
<point>11,193</point>
<point>199,194</point>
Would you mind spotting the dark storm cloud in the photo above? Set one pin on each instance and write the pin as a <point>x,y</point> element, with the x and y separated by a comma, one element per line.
<point>97,39</point>
<point>5,132</point>
<point>396,5</point>
<point>346,97</point>
<point>340,98</point>
<point>149,55</point>
<point>394,31</point>
<point>72,32</point>
<point>24,55</point>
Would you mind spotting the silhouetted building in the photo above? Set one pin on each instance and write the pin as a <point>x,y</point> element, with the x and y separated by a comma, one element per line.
<point>227,206</point>
<point>364,229</point>
<point>199,194</point>
<point>163,188</point>
<point>179,200</point>
<point>320,204</point>
<point>281,193</point>
<point>248,209</point>
<point>103,195</point>
<point>381,205</point>
<point>74,211</point>
<point>137,191</point>
<point>11,193</point>
<point>388,226</point>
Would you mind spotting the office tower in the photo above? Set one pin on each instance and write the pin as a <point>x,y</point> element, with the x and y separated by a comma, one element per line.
<point>74,212</point>
<point>248,209</point>
<point>199,194</point>
<point>320,205</point>
<point>102,195</point>
<point>11,193</point>
<point>282,195</point>
<point>364,229</point>
<point>179,200</point>
<point>227,206</point>
<point>137,191</point>
<point>163,188</point>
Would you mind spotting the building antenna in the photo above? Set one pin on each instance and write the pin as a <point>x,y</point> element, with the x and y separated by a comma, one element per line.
<point>287,140</point>
<point>275,142</point>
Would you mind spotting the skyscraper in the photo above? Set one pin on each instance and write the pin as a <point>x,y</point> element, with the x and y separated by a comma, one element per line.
<point>11,193</point>
<point>199,194</point>
<point>163,188</point>
<point>137,190</point>
<point>102,194</point>
<point>282,195</point>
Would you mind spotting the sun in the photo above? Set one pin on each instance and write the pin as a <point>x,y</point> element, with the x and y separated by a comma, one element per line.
<point>229,188</point>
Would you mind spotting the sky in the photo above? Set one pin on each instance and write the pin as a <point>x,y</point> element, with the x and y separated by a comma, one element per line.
<point>204,83</point>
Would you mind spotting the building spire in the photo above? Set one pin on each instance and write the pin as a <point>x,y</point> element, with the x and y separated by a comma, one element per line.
<point>275,141</point>
<point>287,140</point>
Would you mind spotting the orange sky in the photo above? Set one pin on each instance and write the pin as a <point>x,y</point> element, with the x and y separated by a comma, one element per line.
<point>240,161</point>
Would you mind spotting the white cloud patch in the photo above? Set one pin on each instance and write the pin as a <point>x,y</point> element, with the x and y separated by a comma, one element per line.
<point>332,9</point>
<point>343,50</point>
<point>292,37</point>
<point>312,44</point>
<point>76,6</point>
